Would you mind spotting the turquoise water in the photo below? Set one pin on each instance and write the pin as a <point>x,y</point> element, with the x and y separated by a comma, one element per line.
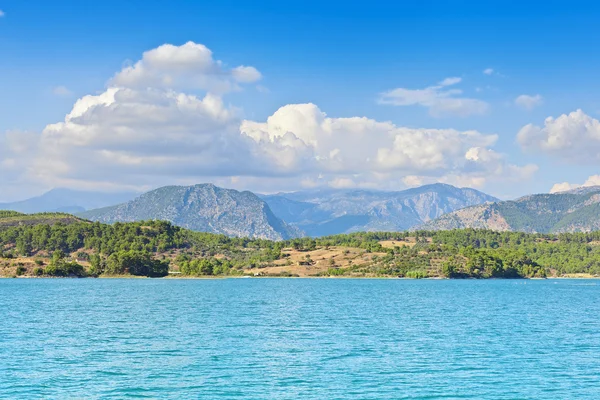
<point>299,338</point>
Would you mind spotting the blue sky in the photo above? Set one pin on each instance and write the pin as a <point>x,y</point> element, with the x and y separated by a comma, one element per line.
<point>340,57</point>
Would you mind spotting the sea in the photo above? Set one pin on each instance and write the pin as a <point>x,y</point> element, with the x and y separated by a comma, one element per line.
<point>263,338</point>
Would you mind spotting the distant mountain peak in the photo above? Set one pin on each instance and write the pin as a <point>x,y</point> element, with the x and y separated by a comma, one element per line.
<point>202,207</point>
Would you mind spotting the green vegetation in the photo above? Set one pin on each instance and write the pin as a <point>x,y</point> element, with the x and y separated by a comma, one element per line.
<point>9,214</point>
<point>473,253</point>
<point>13,218</point>
<point>153,248</point>
<point>139,248</point>
<point>59,266</point>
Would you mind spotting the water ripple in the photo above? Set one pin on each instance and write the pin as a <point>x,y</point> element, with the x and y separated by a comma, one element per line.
<point>299,338</point>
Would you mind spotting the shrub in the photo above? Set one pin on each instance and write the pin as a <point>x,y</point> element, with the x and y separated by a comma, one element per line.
<point>65,269</point>
<point>136,263</point>
<point>336,271</point>
<point>417,274</point>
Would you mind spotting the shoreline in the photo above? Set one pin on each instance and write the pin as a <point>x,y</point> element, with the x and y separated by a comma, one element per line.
<point>296,277</point>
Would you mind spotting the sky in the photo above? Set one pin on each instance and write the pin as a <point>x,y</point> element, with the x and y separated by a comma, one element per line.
<point>281,96</point>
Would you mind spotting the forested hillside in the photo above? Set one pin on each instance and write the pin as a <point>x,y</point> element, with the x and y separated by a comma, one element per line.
<point>155,248</point>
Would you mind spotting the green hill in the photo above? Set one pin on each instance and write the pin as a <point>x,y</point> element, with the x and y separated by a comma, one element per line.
<point>155,248</point>
<point>13,218</point>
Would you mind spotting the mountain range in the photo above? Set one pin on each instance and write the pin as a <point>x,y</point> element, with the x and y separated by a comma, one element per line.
<point>321,212</point>
<point>209,208</point>
<point>329,211</point>
<point>572,211</point>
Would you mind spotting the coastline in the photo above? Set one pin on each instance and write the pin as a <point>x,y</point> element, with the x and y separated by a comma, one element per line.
<point>570,276</point>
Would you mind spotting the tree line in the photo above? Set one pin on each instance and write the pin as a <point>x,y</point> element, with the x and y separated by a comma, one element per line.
<point>150,248</point>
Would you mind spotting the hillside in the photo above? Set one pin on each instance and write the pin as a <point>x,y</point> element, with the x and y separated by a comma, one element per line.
<point>67,200</point>
<point>328,211</point>
<point>573,211</point>
<point>158,248</point>
<point>13,219</point>
<point>204,208</point>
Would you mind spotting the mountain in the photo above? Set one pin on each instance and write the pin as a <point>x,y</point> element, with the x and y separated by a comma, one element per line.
<point>205,208</point>
<point>67,200</point>
<point>331,211</point>
<point>572,211</point>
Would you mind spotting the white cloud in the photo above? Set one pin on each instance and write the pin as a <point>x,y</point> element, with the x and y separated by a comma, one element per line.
<point>246,74</point>
<point>573,137</point>
<point>593,180</point>
<point>412,180</point>
<point>488,71</point>
<point>450,81</point>
<point>61,91</point>
<point>439,99</point>
<point>142,131</point>
<point>128,136</point>
<point>139,138</point>
<point>145,130</point>
<point>362,151</point>
<point>563,187</point>
<point>528,102</point>
<point>189,66</point>
<point>2,13</point>
<point>17,149</point>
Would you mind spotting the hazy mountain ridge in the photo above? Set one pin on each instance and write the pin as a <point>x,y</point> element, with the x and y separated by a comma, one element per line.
<point>329,211</point>
<point>572,211</point>
<point>204,208</point>
<point>67,200</point>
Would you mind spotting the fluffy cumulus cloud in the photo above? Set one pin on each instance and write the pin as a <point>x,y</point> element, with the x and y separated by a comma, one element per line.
<point>190,66</point>
<point>593,180</point>
<point>133,133</point>
<point>488,71</point>
<point>441,100</point>
<point>144,129</point>
<point>528,102</point>
<point>164,121</point>
<point>573,137</point>
<point>350,152</point>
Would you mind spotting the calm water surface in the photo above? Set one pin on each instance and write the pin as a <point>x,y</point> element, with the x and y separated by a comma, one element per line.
<point>299,338</point>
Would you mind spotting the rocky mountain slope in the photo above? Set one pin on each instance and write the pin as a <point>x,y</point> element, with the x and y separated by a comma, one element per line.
<point>573,211</point>
<point>204,208</point>
<point>329,211</point>
<point>67,200</point>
